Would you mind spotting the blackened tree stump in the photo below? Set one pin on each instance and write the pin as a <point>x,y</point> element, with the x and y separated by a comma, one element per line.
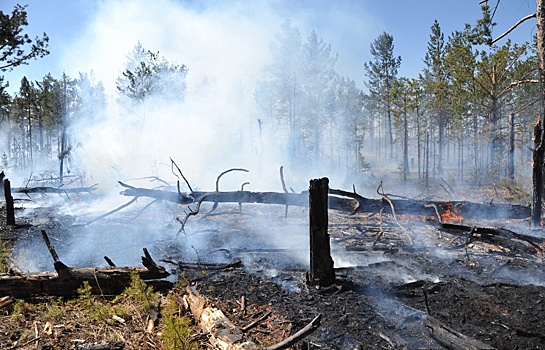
<point>321,263</point>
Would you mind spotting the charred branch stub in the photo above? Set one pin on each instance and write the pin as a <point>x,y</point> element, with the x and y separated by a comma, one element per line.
<point>10,208</point>
<point>321,263</point>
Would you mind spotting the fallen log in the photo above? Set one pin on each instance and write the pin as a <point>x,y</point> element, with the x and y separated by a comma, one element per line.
<point>342,201</point>
<point>45,189</point>
<point>452,339</point>
<point>501,236</point>
<point>66,280</point>
<point>106,281</point>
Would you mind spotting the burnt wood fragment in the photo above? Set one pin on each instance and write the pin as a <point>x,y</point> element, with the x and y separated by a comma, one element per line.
<point>452,339</point>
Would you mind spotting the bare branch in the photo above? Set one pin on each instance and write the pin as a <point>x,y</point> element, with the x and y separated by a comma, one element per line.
<point>225,172</point>
<point>183,177</point>
<point>533,15</point>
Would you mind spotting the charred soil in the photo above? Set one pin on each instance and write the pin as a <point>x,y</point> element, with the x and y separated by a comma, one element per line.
<point>392,274</point>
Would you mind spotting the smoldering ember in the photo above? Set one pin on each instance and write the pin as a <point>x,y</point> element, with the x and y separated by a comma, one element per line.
<point>258,198</point>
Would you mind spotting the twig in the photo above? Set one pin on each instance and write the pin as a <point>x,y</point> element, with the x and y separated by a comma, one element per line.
<point>180,171</point>
<point>289,341</point>
<point>255,323</point>
<point>191,213</point>
<point>112,211</point>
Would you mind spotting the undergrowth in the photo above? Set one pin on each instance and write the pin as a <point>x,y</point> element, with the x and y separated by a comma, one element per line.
<point>128,312</point>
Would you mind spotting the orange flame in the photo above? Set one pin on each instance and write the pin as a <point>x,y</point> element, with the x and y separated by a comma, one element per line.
<point>452,215</point>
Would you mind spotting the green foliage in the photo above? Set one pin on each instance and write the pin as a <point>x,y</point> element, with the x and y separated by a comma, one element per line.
<point>94,309</point>
<point>17,48</point>
<point>4,254</point>
<point>177,331</point>
<point>147,74</point>
<point>55,311</point>
<point>142,294</point>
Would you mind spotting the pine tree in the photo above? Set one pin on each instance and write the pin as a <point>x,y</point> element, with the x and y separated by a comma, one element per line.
<point>382,73</point>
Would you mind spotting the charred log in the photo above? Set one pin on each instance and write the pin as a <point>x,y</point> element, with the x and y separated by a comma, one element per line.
<point>452,339</point>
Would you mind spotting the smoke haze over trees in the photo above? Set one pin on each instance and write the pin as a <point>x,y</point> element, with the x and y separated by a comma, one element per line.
<point>296,110</point>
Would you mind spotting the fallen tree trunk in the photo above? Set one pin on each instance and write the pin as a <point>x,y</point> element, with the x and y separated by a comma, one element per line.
<point>45,189</point>
<point>340,200</point>
<point>66,280</point>
<point>105,280</point>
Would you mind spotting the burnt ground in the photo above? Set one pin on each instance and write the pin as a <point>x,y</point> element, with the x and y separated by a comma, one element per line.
<point>488,290</point>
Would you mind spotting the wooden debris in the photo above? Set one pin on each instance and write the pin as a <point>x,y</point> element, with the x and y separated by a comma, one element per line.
<point>256,322</point>
<point>452,339</point>
<point>113,345</point>
<point>300,335</point>
<point>5,301</point>
<point>223,333</point>
<point>66,280</point>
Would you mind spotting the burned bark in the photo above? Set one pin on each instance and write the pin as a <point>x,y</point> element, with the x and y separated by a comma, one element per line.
<point>66,280</point>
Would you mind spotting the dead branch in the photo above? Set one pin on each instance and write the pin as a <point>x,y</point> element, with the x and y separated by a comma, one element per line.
<point>182,174</point>
<point>256,322</point>
<point>50,247</point>
<point>308,329</point>
<point>394,213</point>
<point>112,211</point>
<point>225,172</point>
<point>520,21</point>
<point>191,213</point>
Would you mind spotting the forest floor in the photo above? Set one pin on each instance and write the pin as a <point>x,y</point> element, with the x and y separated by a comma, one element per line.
<point>387,285</point>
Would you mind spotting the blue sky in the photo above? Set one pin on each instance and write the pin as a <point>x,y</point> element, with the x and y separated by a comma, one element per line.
<point>214,37</point>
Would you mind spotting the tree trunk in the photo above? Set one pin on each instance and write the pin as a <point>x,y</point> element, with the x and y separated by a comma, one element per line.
<point>539,150</point>
<point>405,147</point>
<point>511,150</point>
<point>321,263</point>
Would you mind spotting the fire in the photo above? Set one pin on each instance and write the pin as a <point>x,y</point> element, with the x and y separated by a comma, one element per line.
<point>413,217</point>
<point>452,215</point>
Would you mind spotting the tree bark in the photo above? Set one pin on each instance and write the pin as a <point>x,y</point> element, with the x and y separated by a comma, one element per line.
<point>539,150</point>
<point>321,263</point>
<point>537,174</point>
<point>511,150</point>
